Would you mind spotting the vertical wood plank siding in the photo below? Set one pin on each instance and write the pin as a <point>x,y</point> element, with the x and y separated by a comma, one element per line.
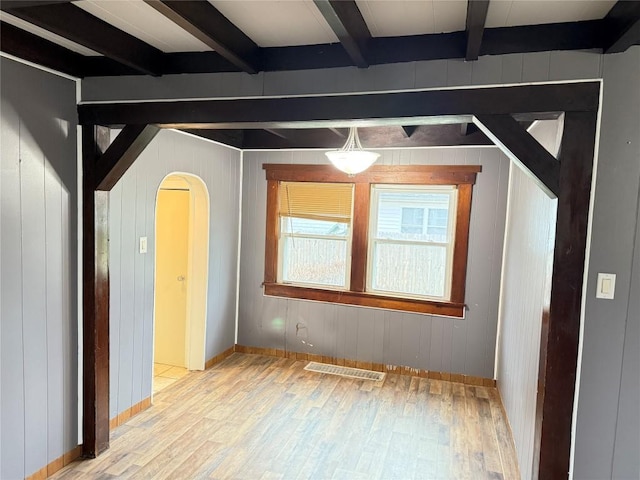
<point>525,296</point>
<point>38,267</point>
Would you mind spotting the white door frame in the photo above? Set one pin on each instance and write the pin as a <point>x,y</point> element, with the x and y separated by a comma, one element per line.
<point>197,270</point>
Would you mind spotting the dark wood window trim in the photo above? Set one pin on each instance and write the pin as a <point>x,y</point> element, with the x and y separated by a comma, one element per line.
<point>461,176</point>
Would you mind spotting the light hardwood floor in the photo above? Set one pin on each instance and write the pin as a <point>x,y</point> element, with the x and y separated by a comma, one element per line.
<point>256,417</point>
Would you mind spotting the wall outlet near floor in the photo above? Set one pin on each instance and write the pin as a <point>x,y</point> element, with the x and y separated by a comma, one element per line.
<point>143,244</point>
<point>606,285</point>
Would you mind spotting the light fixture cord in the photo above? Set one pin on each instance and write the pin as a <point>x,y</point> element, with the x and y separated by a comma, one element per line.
<point>353,140</point>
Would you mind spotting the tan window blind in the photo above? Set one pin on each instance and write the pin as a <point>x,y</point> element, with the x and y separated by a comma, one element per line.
<point>316,201</point>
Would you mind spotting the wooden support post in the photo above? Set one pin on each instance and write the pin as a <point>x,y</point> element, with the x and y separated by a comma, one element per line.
<point>561,336</point>
<point>95,294</point>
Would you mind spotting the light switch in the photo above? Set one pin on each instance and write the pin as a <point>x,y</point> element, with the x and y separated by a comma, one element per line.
<point>606,285</point>
<point>143,244</point>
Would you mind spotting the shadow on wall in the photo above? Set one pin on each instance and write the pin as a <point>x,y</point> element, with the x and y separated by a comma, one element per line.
<point>47,134</point>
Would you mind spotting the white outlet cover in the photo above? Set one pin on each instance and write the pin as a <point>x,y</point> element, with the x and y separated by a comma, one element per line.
<point>143,244</point>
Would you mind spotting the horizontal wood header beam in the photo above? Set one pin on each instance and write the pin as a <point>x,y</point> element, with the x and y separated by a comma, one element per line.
<point>327,111</point>
<point>403,174</point>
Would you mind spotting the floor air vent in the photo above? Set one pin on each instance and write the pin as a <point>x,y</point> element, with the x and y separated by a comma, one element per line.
<point>345,371</point>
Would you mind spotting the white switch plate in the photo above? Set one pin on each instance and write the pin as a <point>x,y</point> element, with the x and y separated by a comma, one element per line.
<point>143,244</point>
<point>606,285</point>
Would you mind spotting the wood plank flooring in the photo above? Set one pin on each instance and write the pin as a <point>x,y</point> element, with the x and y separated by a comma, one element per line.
<point>256,417</point>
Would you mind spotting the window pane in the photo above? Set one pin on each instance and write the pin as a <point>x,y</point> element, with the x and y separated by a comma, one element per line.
<point>304,226</point>
<point>315,261</point>
<point>401,216</point>
<point>409,269</point>
<point>412,220</point>
<point>437,222</point>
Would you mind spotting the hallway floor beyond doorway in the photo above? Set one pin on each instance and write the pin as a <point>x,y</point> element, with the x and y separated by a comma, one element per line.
<point>256,417</point>
<point>165,375</point>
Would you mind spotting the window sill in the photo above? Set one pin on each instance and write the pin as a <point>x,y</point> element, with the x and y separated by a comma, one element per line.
<point>364,299</point>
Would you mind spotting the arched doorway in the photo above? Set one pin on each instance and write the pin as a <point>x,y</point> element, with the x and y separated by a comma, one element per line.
<point>181,277</point>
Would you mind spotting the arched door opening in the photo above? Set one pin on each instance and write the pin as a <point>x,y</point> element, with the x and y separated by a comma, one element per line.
<point>181,271</point>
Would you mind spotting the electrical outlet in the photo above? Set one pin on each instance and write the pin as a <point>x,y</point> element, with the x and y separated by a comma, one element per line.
<point>143,244</point>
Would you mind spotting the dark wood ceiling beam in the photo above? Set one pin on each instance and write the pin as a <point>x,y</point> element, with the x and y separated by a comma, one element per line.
<point>207,24</point>
<point>22,44</point>
<point>476,18</point>
<point>381,50</point>
<point>121,154</point>
<point>73,23</point>
<point>542,38</point>
<point>371,137</point>
<point>621,26</point>
<point>345,19</point>
<point>233,138</point>
<point>523,149</point>
<point>540,101</point>
<point>10,4</point>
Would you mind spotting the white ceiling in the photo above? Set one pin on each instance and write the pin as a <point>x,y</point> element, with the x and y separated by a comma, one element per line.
<point>410,17</point>
<point>275,23</point>
<point>510,13</point>
<point>278,23</point>
<point>144,22</point>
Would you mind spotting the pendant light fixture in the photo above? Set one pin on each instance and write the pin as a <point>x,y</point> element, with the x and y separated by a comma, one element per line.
<point>351,158</point>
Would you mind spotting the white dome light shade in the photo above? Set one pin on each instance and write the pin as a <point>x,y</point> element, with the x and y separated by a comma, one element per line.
<point>351,158</point>
<point>352,161</point>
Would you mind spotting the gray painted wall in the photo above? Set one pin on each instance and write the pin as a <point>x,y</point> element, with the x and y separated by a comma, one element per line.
<point>526,288</point>
<point>38,238</point>
<point>607,322</point>
<point>625,463</point>
<point>369,335</point>
<point>498,69</point>
<point>131,216</point>
<point>610,325</point>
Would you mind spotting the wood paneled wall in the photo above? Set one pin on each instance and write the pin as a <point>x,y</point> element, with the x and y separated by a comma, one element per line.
<point>525,295</point>
<point>131,216</point>
<point>38,267</point>
<point>464,346</point>
<point>608,421</point>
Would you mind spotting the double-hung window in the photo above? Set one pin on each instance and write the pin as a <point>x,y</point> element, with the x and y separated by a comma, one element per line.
<point>390,237</point>
<point>315,234</point>
<point>407,256</point>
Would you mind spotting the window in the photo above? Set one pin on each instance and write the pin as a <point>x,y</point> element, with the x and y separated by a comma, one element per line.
<point>315,233</point>
<point>390,237</point>
<point>405,258</point>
